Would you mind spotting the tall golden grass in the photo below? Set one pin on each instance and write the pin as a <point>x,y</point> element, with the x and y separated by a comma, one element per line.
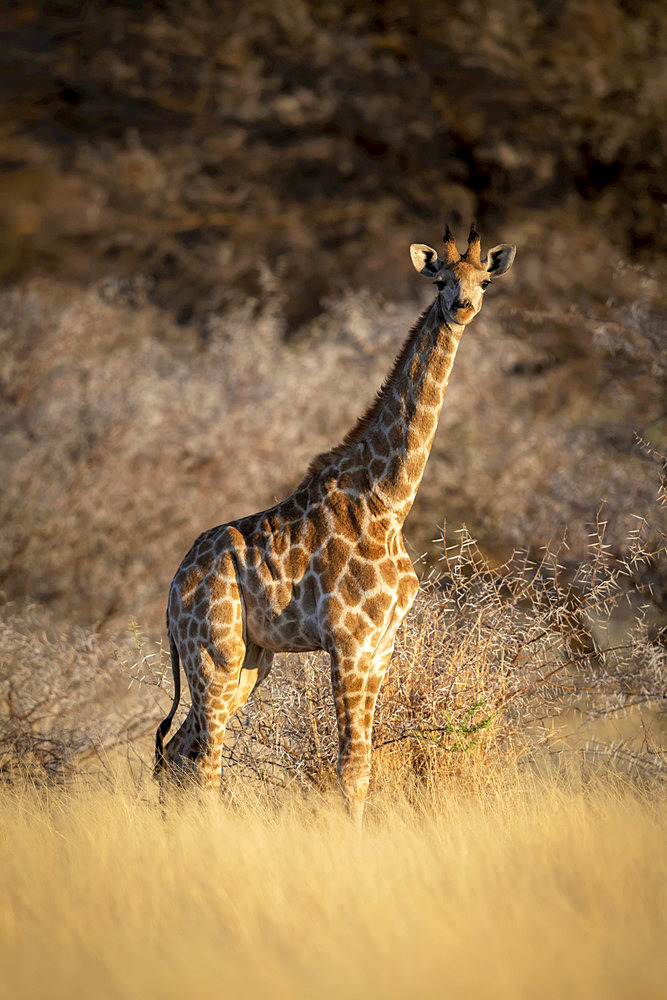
<point>485,868</point>
<point>535,885</point>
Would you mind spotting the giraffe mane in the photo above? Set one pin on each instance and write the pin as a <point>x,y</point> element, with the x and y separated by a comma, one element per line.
<point>366,419</point>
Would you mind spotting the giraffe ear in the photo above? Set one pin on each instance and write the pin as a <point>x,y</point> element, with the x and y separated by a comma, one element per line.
<point>425,260</point>
<point>499,259</point>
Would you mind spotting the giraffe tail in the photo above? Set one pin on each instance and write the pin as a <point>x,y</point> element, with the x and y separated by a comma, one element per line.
<point>165,725</point>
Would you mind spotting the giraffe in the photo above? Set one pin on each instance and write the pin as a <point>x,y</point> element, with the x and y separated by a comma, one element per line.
<point>325,568</point>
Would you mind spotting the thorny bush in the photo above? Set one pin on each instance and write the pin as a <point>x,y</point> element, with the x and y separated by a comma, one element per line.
<point>492,664</point>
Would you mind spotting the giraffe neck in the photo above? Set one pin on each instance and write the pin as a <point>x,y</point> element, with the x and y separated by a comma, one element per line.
<point>403,421</point>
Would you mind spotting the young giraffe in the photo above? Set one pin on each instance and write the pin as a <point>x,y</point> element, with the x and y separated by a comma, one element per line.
<point>326,568</point>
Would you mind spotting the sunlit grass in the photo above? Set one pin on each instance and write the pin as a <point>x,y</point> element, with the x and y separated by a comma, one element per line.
<point>542,886</point>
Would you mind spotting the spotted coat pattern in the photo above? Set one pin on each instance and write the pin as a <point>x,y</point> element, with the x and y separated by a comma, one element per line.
<point>327,567</point>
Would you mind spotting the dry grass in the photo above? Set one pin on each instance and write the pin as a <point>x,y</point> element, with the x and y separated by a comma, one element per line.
<point>486,867</point>
<point>539,885</point>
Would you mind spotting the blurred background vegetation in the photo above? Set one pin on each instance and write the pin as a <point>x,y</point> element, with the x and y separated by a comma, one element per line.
<point>206,209</point>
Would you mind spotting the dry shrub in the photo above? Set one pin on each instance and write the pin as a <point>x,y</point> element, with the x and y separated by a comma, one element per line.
<point>125,435</point>
<point>63,700</point>
<point>492,664</point>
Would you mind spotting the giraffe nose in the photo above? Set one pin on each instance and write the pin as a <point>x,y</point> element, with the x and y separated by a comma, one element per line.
<point>462,304</point>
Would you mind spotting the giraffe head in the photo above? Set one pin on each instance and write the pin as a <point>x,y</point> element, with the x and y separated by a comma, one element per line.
<point>462,280</point>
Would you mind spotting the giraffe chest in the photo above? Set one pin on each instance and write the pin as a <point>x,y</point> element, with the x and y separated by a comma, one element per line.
<point>369,599</point>
<point>297,601</point>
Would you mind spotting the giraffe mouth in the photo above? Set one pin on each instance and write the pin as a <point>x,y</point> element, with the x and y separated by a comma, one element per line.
<point>463,316</point>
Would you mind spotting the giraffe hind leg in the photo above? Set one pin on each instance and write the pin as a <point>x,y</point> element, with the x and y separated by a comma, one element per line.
<point>181,750</point>
<point>221,669</point>
<point>221,682</point>
<point>205,625</point>
<point>214,683</point>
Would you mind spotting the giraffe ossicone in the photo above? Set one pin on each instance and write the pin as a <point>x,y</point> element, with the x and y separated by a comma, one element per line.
<point>327,567</point>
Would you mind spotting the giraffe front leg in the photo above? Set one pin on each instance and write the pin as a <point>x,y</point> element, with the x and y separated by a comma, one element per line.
<point>356,682</point>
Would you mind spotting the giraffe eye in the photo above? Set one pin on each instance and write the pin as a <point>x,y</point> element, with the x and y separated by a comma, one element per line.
<point>485,284</point>
<point>440,284</point>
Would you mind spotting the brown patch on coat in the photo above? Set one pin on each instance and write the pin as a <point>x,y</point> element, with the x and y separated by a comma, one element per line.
<point>296,562</point>
<point>189,586</point>
<point>350,591</point>
<point>377,606</point>
<point>279,543</point>
<point>388,573</point>
<point>364,573</point>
